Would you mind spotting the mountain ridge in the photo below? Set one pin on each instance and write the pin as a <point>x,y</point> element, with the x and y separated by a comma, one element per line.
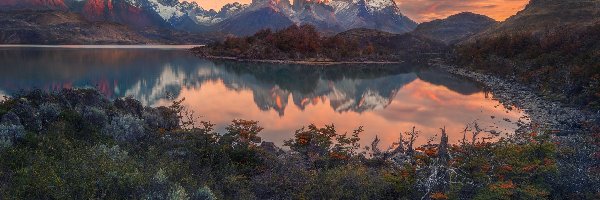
<point>328,16</point>
<point>455,28</point>
<point>68,28</point>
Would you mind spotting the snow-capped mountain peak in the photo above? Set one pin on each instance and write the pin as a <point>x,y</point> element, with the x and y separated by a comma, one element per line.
<point>378,5</point>
<point>330,16</point>
<point>166,11</point>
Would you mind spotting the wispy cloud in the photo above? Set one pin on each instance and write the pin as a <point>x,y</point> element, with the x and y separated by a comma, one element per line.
<point>427,10</point>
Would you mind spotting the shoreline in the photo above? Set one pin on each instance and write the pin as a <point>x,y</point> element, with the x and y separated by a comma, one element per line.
<point>299,62</point>
<point>547,114</point>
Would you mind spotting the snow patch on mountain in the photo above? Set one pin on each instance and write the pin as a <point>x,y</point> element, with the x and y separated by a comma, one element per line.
<point>372,100</point>
<point>165,11</point>
<point>378,5</point>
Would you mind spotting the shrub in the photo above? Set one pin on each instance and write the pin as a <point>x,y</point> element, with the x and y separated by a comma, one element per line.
<point>95,118</point>
<point>204,193</point>
<point>10,130</point>
<point>114,153</point>
<point>126,128</point>
<point>178,193</point>
<point>321,145</point>
<point>49,112</point>
<point>28,115</point>
<point>161,118</point>
<point>9,133</point>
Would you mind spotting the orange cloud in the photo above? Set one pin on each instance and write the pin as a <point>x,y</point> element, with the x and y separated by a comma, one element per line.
<point>427,10</point>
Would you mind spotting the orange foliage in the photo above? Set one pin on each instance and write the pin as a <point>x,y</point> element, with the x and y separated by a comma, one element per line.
<point>439,195</point>
<point>548,162</point>
<point>431,152</point>
<point>506,168</point>
<point>338,156</point>
<point>405,173</point>
<point>507,185</point>
<point>529,168</point>
<point>486,168</point>
<point>533,134</point>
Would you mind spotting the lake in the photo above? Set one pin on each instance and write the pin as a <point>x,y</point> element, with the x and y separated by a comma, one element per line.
<point>385,99</point>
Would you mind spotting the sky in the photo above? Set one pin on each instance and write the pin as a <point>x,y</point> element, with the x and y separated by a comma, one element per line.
<point>427,10</point>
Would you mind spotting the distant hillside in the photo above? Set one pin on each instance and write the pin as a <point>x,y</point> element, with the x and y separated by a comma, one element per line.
<point>402,45</point>
<point>122,11</point>
<point>61,27</point>
<point>58,27</point>
<point>544,15</point>
<point>33,4</point>
<point>455,28</point>
<point>552,45</point>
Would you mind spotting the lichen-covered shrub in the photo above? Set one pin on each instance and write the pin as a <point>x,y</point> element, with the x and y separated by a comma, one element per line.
<point>348,182</point>
<point>178,193</point>
<point>204,193</point>
<point>95,117</point>
<point>28,115</point>
<point>125,128</point>
<point>115,153</point>
<point>49,112</point>
<point>83,97</point>
<point>161,118</point>
<point>10,133</point>
<point>10,130</point>
<point>129,106</point>
<point>161,188</point>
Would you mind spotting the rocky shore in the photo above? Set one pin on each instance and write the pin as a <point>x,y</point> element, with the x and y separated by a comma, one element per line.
<point>544,114</point>
<point>575,129</point>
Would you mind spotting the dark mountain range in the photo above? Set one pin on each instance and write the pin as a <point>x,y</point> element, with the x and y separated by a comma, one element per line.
<point>455,28</point>
<point>123,12</point>
<point>33,4</point>
<point>250,22</point>
<point>320,15</point>
<point>328,16</point>
<point>61,27</point>
<point>381,15</point>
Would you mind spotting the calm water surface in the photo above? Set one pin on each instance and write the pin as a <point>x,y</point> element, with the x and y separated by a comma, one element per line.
<point>386,100</point>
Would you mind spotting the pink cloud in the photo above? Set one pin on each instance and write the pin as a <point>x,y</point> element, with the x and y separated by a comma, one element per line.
<point>427,10</point>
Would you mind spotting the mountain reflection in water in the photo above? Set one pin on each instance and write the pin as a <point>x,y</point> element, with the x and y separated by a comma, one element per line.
<point>384,99</point>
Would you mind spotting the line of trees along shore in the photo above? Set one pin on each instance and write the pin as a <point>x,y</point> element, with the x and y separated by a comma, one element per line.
<point>305,43</point>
